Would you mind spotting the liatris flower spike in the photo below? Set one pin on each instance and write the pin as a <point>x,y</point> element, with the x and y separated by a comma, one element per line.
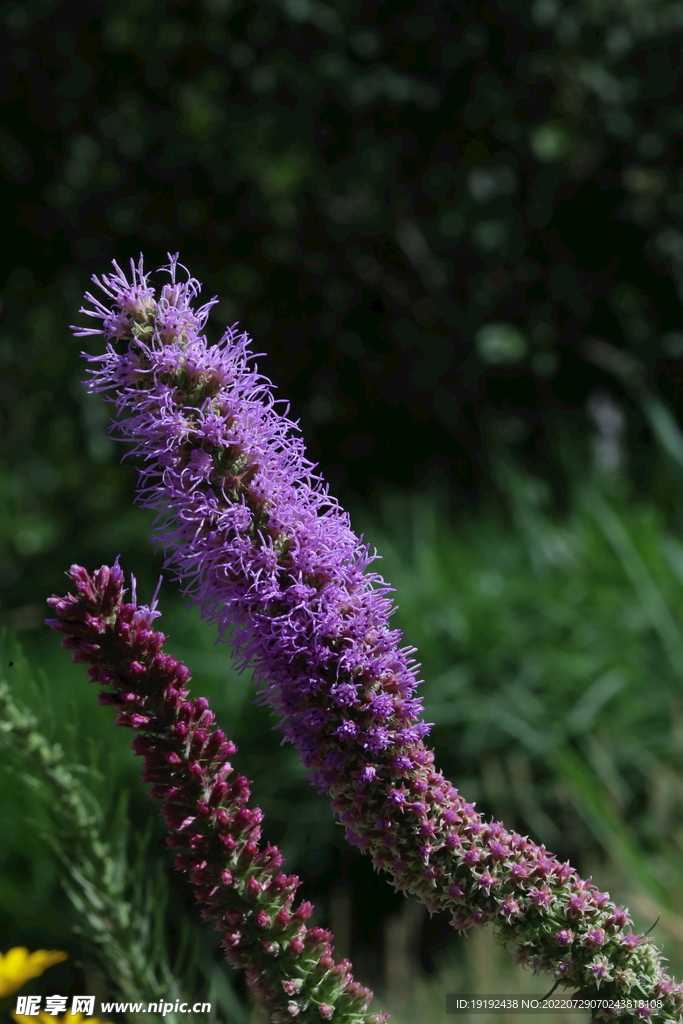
<point>267,554</point>
<point>236,878</point>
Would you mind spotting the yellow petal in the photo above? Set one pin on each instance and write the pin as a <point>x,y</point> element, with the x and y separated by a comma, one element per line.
<point>47,1018</point>
<point>77,1018</point>
<point>41,1018</point>
<point>68,1018</point>
<point>18,966</point>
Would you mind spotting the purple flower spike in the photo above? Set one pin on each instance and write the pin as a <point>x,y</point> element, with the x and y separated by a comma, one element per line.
<point>270,557</point>
<point>236,878</point>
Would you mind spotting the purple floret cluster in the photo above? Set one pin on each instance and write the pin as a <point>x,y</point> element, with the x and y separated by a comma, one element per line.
<point>235,876</point>
<point>270,556</point>
<point>252,532</point>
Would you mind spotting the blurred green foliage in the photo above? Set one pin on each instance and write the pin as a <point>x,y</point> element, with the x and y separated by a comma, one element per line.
<point>120,910</point>
<point>551,650</point>
<point>540,637</point>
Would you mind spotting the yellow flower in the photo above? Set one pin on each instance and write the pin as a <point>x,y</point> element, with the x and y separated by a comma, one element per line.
<point>47,1018</point>
<point>18,965</point>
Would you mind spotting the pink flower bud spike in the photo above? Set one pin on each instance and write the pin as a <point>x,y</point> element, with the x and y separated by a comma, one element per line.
<point>236,877</point>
